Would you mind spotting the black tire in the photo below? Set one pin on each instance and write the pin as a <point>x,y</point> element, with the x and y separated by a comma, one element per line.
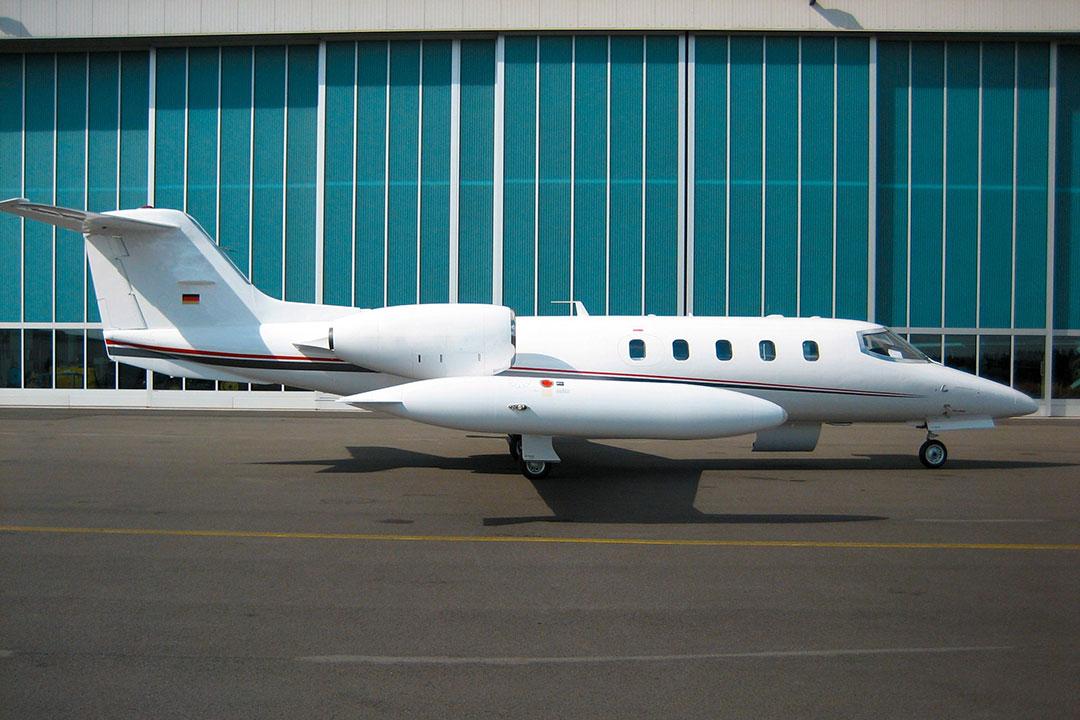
<point>535,469</point>
<point>933,454</point>
<point>514,443</point>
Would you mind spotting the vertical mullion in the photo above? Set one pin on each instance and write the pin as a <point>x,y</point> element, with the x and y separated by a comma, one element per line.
<point>151,143</point>
<point>353,160</point>
<point>907,271</point>
<point>607,185</point>
<point>1015,146</point>
<point>536,184</point>
<point>944,177</point>
<point>764,179</point>
<point>644,154</point>
<point>419,162</point>
<point>680,230</point>
<point>55,153</point>
<point>835,123</point>
<point>187,88</point>
<point>217,161</point>
<point>386,183</point>
<point>798,186</point>
<point>727,181</point>
<point>285,175</point>
<point>498,178</point>
<point>871,244</point>
<point>251,173</point>
<point>86,189</point>
<point>1051,225</point>
<point>455,168</point>
<point>320,172</point>
<point>573,158</point>
<point>978,213</point>
<point>689,178</point>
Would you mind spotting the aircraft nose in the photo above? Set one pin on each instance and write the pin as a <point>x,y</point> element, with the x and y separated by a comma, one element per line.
<point>1022,404</point>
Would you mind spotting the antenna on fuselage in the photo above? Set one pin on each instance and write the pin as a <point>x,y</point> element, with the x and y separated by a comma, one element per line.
<point>579,307</point>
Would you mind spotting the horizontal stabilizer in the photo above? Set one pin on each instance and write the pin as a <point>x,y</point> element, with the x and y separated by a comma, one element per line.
<point>81,221</point>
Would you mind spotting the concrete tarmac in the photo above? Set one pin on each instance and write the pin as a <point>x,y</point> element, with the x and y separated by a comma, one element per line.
<point>293,565</point>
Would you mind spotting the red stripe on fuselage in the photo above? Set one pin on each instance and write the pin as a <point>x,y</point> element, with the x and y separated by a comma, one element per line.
<point>216,353</point>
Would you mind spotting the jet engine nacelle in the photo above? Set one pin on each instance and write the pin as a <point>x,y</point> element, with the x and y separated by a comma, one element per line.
<point>427,341</point>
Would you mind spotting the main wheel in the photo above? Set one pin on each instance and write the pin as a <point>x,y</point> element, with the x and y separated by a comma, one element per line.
<point>514,442</point>
<point>933,454</point>
<point>535,469</point>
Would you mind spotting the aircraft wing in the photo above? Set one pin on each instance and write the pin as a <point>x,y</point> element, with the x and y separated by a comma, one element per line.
<point>81,221</point>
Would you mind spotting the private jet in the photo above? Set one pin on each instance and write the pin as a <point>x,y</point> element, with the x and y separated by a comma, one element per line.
<point>171,301</point>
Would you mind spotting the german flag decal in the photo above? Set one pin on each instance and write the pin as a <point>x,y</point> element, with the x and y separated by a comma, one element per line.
<point>190,298</point>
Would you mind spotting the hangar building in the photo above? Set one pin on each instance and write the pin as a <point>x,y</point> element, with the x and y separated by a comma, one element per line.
<point>914,163</point>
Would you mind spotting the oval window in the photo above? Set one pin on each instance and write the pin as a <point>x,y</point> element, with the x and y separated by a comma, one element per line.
<point>723,349</point>
<point>810,350</point>
<point>637,349</point>
<point>680,349</point>
<point>767,350</point>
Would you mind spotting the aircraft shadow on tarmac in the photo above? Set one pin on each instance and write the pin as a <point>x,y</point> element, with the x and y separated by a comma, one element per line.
<point>604,484</point>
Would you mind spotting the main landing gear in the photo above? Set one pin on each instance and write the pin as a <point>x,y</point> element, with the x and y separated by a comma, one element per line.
<point>933,453</point>
<point>533,454</point>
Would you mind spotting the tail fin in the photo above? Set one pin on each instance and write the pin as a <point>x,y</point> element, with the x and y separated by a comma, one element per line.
<point>156,268</point>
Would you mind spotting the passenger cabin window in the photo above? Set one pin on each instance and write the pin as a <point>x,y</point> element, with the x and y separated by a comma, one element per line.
<point>723,350</point>
<point>887,344</point>
<point>810,350</point>
<point>680,349</point>
<point>767,350</point>
<point>637,349</point>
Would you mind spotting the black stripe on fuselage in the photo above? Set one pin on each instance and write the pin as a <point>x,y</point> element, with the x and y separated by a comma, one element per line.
<point>242,363</point>
<point>725,384</point>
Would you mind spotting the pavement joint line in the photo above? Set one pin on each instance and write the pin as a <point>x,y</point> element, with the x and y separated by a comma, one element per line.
<point>537,539</point>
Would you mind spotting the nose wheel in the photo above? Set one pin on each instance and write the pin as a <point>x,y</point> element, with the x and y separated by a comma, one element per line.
<point>933,453</point>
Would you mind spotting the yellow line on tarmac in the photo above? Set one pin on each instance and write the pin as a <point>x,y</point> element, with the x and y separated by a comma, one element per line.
<point>377,537</point>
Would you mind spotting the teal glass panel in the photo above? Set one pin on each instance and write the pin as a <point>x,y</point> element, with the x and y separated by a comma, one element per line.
<point>852,176</point>
<point>370,174</point>
<point>1032,150</point>
<point>169,123</point>
<point>927,176</point>
<point>404,173</point>
<point>102,133</point>
<point>303,98</point>
<point>11,170</point>
<point>590,172</point>
<point>816,182</point>
<point>781,174</point>
<point>662,175</point>
<point>710,175</point>
<point>995,247</point>
<point>268,170</point>
<point>519,174</point>
<point>745,229</point>
<point>70,182</point>
<point>961,182</point>
<point>338,179</point>
<point>134,127</point>
<point>202,122</point>
<point>625,221</point>
<point>892,176</point>
<point>553,218</point>
<point>1067,202</point>
<point>11,338</point>
<point>435,174</point>
<point>37,344</point>
<point>38,177</point>
<point>477,168</point>
<point>235,189</point>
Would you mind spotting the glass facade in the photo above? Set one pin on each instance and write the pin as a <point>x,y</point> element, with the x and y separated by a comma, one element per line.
<point>932,185</point>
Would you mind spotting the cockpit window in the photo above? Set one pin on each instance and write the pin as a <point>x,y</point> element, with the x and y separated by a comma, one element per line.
<point>889,345</point>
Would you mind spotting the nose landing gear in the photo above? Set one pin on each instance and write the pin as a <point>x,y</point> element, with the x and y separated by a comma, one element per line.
<point>933,453</point>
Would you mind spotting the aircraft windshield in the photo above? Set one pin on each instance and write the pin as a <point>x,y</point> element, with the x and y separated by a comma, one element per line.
<point>889,345</point>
